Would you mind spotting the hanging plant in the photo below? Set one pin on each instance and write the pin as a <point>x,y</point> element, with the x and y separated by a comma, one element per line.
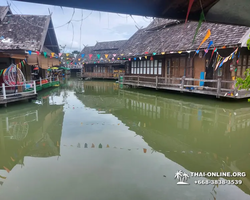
<point>248,43</point>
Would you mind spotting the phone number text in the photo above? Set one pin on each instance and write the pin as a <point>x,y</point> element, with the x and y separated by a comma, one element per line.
<point>218,182</point>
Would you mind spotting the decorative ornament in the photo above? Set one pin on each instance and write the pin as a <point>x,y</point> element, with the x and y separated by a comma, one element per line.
<point>98,56</point>
<point>154,54</point>
<point>30,52</point>
<point>129,59</point>
<point>140,58</point>
<point>146,57</point>
<point>45,54</point>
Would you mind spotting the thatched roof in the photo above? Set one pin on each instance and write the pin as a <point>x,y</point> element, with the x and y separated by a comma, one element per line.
<point>110,48</point>
<point>174,36</point>
<point>3,11</point>
<point>27,32</point>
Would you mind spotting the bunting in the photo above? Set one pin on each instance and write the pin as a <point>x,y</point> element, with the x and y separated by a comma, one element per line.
<point>189,8</point>
<point>202,18</point>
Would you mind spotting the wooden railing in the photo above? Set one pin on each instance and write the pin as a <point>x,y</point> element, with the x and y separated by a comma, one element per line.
<point>183,84</point>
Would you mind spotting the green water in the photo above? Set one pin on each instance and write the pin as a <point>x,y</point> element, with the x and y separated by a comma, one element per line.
<point>92,140</point>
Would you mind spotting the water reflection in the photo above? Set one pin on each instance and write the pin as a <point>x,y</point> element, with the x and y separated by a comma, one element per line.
<point>32,131</point>
<point>91,140</point>
<point>197,135</point>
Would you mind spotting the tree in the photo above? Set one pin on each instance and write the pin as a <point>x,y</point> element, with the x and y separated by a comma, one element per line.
<point>244,83</point>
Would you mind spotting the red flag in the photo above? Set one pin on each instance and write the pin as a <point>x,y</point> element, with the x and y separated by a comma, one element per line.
<point>212,55</point>
<point>90,56</point>
<point>189,8</point>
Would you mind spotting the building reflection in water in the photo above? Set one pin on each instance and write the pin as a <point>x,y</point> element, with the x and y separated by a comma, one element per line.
<point>200,135</point>
<point>34,131</point>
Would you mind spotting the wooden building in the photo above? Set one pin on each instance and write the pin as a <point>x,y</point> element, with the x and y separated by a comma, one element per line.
<point>27,37</point>
<point>164,56</point>
<point>102,60</point>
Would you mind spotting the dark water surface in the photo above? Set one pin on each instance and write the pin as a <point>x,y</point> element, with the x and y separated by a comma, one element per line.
<point>91,140</point>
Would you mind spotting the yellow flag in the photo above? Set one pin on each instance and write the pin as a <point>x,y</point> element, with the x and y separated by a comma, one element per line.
<point>122,54</point>
<point>206,37</point>
<point>179,52</point>
<point>106,55</point>
<point>107,146</point>
<point>161,53</point>
<point>118,58</point>
<point>146,57</point>
<point>67,54</point>
<point>52,54</point>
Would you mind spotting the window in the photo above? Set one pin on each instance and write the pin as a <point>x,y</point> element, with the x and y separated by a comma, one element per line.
<point>168,66</point>
<point>137,67</point>
<point>159,67</point>
<point>148,67</point>
<point>219,71</point>
<point>141,66</point>
<point>144,65</point>
<point>152,67</point>
<point>155,66</point>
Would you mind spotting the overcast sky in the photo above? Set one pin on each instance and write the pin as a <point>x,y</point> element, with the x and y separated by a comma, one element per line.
<point>96,26</point>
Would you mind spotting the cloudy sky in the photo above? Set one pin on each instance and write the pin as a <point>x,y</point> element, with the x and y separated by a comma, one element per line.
<point>96,26</point>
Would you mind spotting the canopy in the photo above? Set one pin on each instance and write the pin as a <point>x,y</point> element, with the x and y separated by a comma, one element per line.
<point>67,68</point>
<point>54,68</point>
<point>48,69</point>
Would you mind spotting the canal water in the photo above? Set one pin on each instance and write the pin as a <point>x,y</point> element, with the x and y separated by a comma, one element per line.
<point>92,140</point>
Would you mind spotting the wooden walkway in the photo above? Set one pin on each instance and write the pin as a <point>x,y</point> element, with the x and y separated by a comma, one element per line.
<point>186,85</point>
<point>17,97</point>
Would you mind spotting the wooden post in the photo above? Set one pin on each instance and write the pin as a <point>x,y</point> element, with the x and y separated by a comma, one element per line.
<point>40,81</point>
<point>218,88</point>
<point>34,87</point>
<point>4,91</point>
<point>156,82</point>
<point>235,88</point>
<point>182,83</point>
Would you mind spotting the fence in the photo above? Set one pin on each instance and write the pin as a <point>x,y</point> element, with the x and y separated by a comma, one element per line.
<point>217,87</point>
<point>26,88</point>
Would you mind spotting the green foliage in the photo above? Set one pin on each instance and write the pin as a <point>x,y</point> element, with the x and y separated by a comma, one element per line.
<point>248,43</point>
<point>244,83</point>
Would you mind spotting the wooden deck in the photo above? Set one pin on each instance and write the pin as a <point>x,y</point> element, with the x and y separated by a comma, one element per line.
<point>94,75</point>
<point>17,97</point>
<point>184,85</point>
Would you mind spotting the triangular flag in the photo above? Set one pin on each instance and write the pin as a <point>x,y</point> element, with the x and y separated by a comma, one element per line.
<point>100,145</point>
<point>202,18</point>
<point>212,54</point>
<point>118,58</point>
<point>52,54</point>
<point>154,54</point>
<point>37,52</point>
<point>162,53</point>
<point>30,52</point>
<point>134,58</point>
<point>67,54</point>
<point>146,57</point>
<point>79,59</point>
<point>45,54</point>
<point>83,55</point>
<point>140,58</point>
<point>179,52</point>
<point>114,55</point>
<point>189,8</point>
<point>151,58</point>
<point>146,52</point>
<point>122,54</point>
<point>85,145</point>
<point>206,37</point>
<point>60,54</point>
<point>106,55</point>
<point>128,59</point>
<point>90,56</point>
<point>98,56</point>
<point>22,63</point>
<point>92,146</point>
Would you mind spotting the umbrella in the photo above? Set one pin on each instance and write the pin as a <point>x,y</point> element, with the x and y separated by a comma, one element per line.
<point>54,68</point>
<point>67,68</point>
<point>48,69</point>
<point>36,68</point>
<point>62,68</point>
